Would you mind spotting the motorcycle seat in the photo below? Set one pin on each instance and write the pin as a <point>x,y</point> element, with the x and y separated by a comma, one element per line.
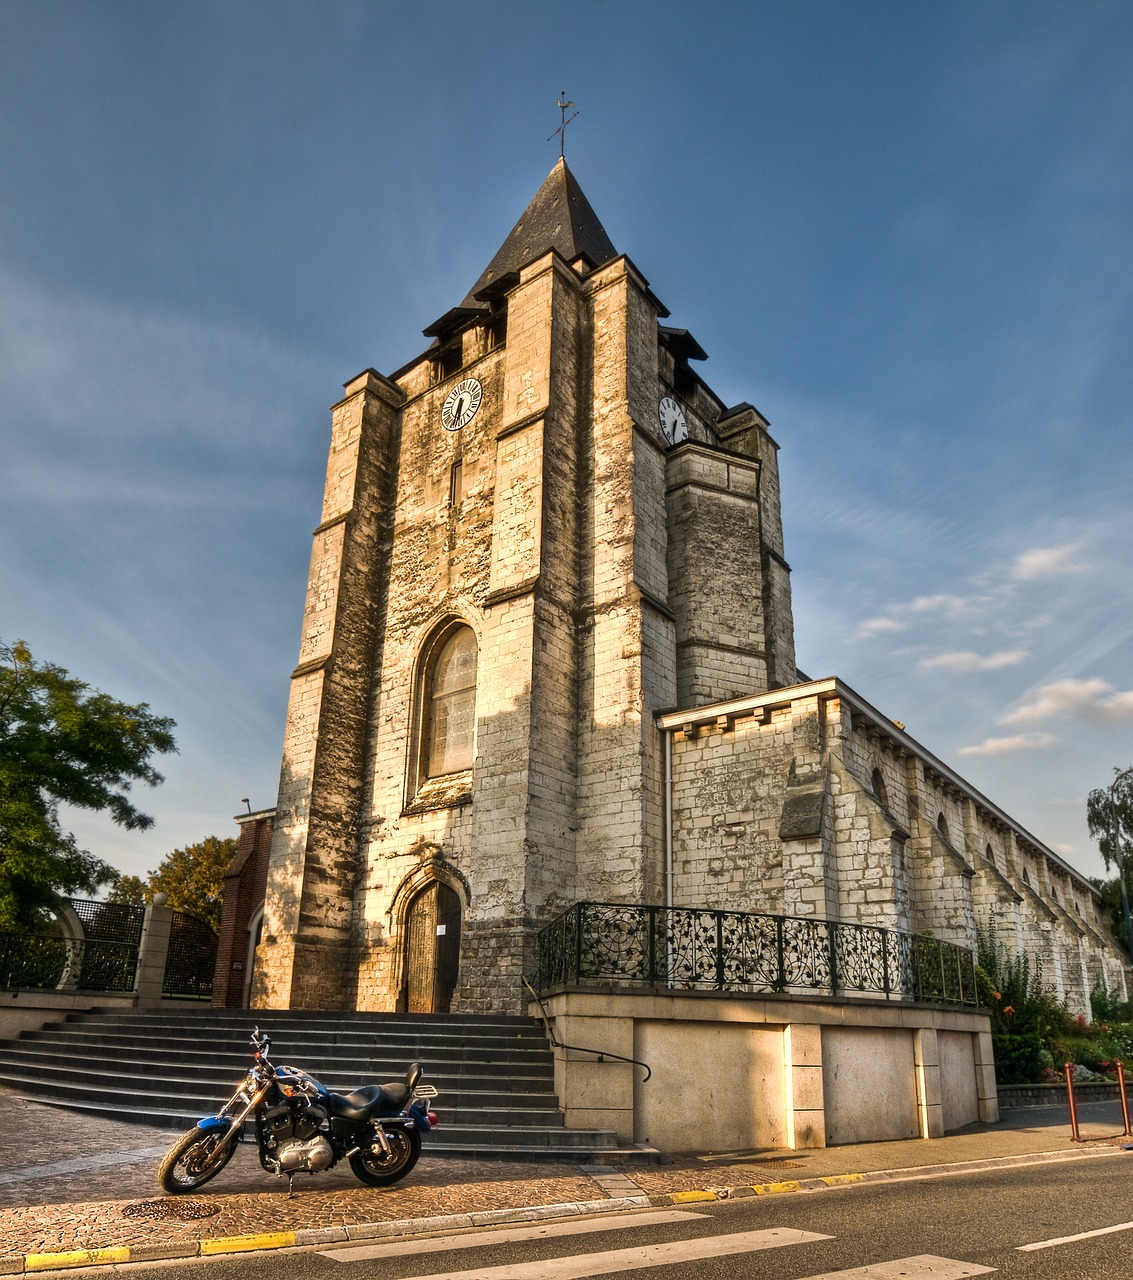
<point>368,1101</point>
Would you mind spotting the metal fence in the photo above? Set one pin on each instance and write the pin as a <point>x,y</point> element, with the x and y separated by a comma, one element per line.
<point>191,959</point>
<point>695,949</point>
<point>32,960</point>
<point>105,959</point>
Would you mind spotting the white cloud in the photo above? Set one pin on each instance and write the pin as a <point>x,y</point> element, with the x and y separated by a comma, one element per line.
<point>1046,562</point>
<point>1008,746</point>
<point>940,604</point>
<point>876,627</point>
<point>964,660</point>
<point>1093,700</point>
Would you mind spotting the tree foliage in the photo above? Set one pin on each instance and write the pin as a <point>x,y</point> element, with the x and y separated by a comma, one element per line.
<point>62,742</point>
<point>191,878</point>
<point>1115,840</point>
<point>1100,817</point>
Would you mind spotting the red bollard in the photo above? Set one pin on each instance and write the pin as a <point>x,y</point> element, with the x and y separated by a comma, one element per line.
<point>1070,1098</point>
<point>1124,1101</point>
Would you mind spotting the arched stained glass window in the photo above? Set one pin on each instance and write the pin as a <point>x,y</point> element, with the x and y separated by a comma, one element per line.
<point>450,704</point>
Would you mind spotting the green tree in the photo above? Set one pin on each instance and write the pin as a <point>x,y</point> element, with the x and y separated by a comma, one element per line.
<point>62,742</point>
<point>131,889</point>
<point>191,878</point>
<point>1114,838</point>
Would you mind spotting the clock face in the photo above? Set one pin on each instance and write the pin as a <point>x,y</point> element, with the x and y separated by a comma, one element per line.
<point>461,404</point>
<point>672,419</point>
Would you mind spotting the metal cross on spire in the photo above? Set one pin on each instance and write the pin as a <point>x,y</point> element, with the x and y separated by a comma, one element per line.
<point>564,106</point>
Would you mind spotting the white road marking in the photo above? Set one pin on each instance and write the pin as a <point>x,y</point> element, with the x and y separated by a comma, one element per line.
<point>1082,1235</point>
<point>649,1255</point>
<point>510,1235</point>
<point>925,1266</point>
<point>83,1163</point>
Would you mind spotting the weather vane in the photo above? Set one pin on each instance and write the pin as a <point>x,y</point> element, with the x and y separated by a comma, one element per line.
<point>564,106</point>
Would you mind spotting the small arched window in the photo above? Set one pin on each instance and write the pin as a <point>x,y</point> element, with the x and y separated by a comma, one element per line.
<point>448,710</point>
<point>942,825</point>
<point>879,791</point>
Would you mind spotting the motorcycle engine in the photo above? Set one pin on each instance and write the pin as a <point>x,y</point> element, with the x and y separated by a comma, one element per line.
<point>296,1156</point>
<point>294,1136</point>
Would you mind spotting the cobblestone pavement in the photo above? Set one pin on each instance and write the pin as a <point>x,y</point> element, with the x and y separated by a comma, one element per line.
<point>97,1207</point>
<point>71,1181</point>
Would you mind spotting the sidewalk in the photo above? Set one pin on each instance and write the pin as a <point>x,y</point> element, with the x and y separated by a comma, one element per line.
<point>84,1187</point>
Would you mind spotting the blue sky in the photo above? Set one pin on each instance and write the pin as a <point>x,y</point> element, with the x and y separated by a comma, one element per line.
<point>903,230</point>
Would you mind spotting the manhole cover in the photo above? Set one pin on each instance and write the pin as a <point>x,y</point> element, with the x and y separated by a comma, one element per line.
<point>182,1210</point>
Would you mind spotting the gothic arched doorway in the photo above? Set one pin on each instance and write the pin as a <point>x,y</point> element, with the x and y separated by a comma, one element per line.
<point>432,948</point>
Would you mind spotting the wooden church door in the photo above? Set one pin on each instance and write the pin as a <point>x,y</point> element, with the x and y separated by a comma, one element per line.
<point>432,949</point>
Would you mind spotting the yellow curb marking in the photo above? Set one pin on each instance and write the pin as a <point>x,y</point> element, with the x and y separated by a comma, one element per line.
<point>689,1197</point>
<point>74,1258</point>
<point>241,1244</point>
<point>776,1188</point>
<point>843,1179</point>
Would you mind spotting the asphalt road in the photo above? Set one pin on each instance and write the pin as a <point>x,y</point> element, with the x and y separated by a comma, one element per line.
<point>934,1229</point>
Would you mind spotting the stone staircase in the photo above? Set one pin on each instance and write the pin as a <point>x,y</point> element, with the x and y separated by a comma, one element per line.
<point>494,1075</point>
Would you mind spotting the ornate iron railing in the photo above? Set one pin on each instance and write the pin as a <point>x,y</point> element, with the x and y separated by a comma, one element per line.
<point>696,949</point>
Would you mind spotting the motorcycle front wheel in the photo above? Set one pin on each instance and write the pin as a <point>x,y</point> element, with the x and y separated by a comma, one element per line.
<point>379,1169</point>
<point>194,1159</point>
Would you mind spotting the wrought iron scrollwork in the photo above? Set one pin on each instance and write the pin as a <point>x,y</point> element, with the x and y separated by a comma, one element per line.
<point>699,949</point>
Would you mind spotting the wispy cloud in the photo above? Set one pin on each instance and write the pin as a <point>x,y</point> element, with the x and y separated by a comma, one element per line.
<point>947,604</point>
<point>1009,746</point>
<point>1047,562</point>
<point>965,661</point>
<point>878,626</point>
<point>1093,700</point>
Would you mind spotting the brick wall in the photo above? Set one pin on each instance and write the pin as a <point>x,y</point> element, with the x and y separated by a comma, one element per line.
<point>245,882</point>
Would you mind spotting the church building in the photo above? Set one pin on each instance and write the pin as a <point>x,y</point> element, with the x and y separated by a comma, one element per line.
<point>548,657</point>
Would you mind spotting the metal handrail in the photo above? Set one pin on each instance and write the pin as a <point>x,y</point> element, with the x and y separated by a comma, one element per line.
<point>600,1054</point>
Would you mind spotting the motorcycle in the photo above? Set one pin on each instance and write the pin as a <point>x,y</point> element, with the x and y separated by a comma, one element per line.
<point>302,1127</point>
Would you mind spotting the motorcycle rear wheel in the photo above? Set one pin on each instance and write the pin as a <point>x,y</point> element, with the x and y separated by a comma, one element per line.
<point>378,1169</point>
<point>194,1159</point>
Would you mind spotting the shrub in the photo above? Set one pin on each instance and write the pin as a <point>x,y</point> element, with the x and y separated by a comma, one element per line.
<point>1018,1057</point>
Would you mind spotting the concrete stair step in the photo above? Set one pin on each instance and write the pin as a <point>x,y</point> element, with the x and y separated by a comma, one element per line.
<point>167,1040</point>
<point>494,1076</point>
<point>339,1076</point>
<point>198,1098</point>
<point>204,1096</point>
<point>345,1023</point>
<point>508,1074</point>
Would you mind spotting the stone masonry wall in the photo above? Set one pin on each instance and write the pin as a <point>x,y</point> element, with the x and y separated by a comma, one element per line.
<point>580,548</point>
<point>806,802</point>
<point>304,958</point>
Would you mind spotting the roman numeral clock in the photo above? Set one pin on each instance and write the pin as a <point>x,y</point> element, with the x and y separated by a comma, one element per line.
<point>461,404</point>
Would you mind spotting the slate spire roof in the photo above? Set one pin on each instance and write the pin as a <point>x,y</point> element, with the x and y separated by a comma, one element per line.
<point>559,217</point>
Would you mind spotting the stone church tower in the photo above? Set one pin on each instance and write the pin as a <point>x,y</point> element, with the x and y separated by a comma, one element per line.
<point>538,535</point>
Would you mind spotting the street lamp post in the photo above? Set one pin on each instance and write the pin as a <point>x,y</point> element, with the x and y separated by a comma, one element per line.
<point>1115,834</point>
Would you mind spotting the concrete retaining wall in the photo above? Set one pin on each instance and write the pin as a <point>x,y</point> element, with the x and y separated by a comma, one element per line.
<point>732,1073</point>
